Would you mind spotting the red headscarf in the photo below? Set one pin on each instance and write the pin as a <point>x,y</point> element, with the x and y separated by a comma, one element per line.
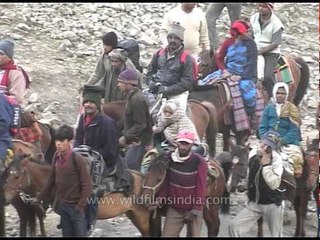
<point>239,27</point>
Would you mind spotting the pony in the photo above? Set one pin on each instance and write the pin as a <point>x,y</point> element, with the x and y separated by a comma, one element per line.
<point>32,173</point>
<point>27,213</point>
<point>203,114</point>
<point>216,95</point>
<point>159,163</point>
<point>298,195</point>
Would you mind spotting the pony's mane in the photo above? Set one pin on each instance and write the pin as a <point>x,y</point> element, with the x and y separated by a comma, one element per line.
<point>161,161</point>
<point>29,145</point>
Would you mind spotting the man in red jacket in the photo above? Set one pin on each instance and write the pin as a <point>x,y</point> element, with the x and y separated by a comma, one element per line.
<point>185,187</point>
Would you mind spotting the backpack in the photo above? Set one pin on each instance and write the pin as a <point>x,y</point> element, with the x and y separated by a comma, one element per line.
<point>16,117</point>
<point>95,163</point>
<point>132,48</point>
<point>26,77</point>
<point>183,58</point>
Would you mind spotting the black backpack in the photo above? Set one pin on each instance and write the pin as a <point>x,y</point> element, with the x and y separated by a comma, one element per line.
<point>132,48</point>
<point>95,164</point>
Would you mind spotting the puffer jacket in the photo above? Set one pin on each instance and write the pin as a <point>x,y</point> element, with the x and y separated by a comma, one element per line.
<point>176,77</point>
<point>6,116</point>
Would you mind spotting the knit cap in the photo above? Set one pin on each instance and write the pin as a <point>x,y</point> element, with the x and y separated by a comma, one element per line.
<point>176,29</point>
<point>7,48</point>
<point>129,76</point>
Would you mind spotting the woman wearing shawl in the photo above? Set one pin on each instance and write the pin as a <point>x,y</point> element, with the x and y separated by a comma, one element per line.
<point>283,117</point>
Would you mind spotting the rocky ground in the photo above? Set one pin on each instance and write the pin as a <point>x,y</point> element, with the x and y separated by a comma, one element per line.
<point>59,44</point>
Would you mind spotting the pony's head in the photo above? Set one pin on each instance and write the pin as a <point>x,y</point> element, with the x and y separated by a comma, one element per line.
<point>155,176</point>
<point>18,178</point>
<point>206,63</point>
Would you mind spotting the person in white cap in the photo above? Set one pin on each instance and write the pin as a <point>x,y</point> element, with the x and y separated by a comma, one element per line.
<point>185,187</point>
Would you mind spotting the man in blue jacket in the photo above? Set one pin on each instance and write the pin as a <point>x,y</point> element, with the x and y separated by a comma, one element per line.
<point>6,118</point>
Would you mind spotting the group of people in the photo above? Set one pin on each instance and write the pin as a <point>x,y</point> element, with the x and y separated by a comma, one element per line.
<point>116,78</point>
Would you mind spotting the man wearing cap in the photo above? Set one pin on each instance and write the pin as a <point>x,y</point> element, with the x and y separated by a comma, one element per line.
<point>267,31</point>
<point>166,68</point>
<point>265,198</point>
<point>137,133</point>
<point>184,188</point>
<point>284,117</point>
<point>109,42</point>
<point>98,131</point>
<point>12,79</point>
<point>193,20</point>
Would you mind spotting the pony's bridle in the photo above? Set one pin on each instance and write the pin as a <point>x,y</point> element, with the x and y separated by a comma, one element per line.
<point>26,198</point>
<point>154,188</point>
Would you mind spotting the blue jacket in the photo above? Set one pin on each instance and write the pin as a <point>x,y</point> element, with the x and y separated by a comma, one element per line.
<point>289,132</point>
<point>6,118</point>
<point>242,59</point>
<point>102,135</point>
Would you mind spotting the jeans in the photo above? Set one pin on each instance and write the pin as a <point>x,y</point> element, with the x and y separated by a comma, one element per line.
<point>72,221</point>
<point>91,210</point>
<point>271,60</point>
<point>134,156</point>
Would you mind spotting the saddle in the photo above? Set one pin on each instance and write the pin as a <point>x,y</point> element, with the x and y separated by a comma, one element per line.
<point>288,71</point>
<point>116,179</point>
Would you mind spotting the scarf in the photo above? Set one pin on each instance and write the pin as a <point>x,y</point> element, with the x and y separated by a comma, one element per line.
<point>289,110</point>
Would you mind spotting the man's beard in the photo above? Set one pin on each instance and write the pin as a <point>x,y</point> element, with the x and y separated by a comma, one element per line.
<point>184,153</point>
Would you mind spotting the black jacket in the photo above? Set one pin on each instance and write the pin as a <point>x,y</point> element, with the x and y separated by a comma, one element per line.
<point>102,135</point>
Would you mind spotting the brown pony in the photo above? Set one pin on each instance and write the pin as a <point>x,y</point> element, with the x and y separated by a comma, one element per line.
<point>26,212</point>
<point>35,174</point>
<point>216,95</point>
<point>203,115</point>
<point>305,185</point>
<point>215,190</point>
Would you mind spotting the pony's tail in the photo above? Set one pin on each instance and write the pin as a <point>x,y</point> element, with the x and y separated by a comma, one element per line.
<point>304,81</point>
<point>225,202</point>
<point>213,128</point>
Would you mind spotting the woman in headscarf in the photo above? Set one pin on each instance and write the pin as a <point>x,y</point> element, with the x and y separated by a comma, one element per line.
<point>283,117</point>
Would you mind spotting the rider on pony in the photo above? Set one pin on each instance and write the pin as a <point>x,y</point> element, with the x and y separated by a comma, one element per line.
<point>240,69</point>
<point>171,121</point>
<point>14,83</point>
<point>284,117</point>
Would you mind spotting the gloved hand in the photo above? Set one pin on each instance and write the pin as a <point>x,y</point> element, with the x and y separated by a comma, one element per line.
<point>161,89</point>
<point>154,87</point>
